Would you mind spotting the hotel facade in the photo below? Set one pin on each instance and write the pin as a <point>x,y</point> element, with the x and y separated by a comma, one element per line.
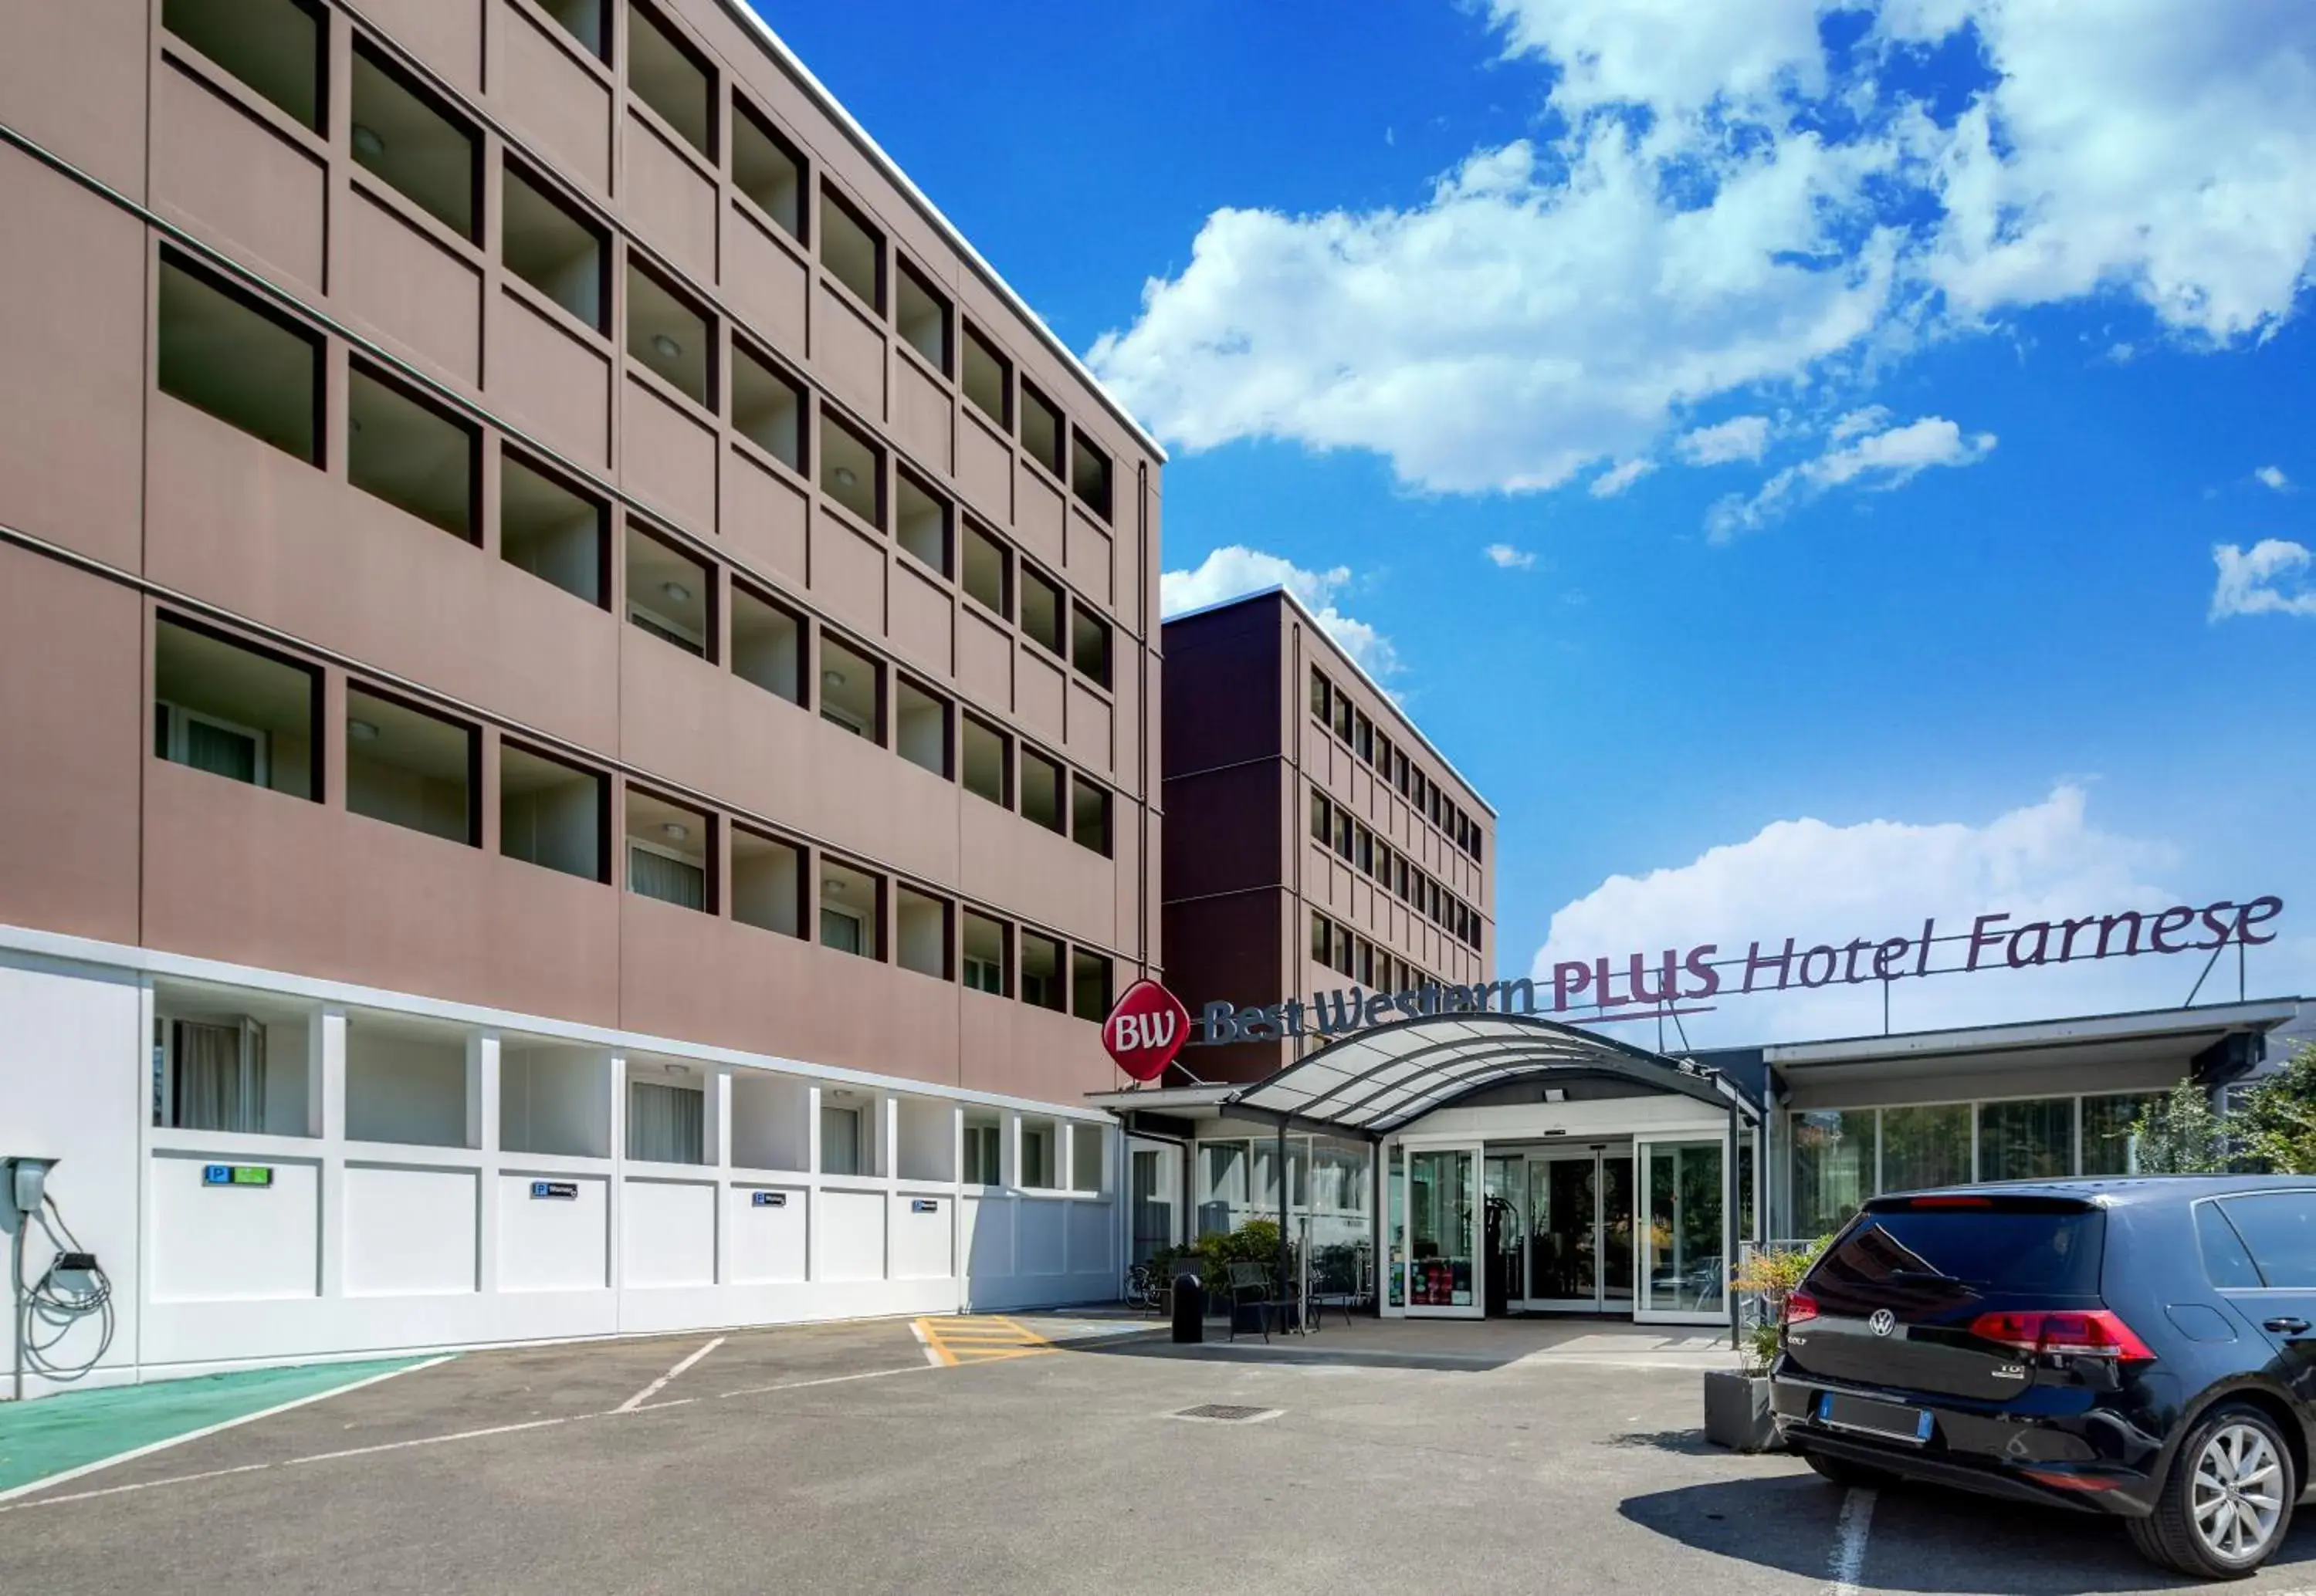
<point>582,685</point>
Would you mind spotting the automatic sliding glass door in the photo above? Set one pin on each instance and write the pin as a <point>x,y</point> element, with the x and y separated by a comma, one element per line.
<point>1443,1233</point>
<point>1580,1232</point>
<point>1685,1275</point>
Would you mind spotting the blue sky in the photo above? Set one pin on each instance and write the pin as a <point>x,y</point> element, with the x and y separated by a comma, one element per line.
<point>1890,417</point>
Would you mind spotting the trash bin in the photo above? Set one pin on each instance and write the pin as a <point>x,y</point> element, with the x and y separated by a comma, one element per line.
<point>1189,1309</point>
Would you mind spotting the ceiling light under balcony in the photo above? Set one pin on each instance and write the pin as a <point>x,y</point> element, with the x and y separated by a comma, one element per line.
<point>845,477</point>
<point>831,678</point>
<point>675,830</point>
<point>667,347</point>
<point>368,144</point>
<point>676,591</point>
<point>830,884</point>
<point>362,730</point>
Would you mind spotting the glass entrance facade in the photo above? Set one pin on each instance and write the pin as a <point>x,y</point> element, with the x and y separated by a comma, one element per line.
<point>1443,1204</point>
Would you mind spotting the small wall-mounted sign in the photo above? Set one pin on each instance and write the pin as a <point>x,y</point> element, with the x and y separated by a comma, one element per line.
<point>768,1198</point>
<point>237,1174</point>
<point>562,1191</point>
<point>924,1205</point>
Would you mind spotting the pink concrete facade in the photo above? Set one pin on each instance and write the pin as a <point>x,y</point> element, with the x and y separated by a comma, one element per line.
<point>124,506</point>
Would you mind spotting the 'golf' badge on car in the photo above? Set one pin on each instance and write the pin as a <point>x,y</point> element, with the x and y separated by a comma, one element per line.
<point>1883,1322</point>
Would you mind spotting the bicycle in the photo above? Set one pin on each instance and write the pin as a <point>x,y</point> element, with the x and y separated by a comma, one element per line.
<point>1143,1288</point>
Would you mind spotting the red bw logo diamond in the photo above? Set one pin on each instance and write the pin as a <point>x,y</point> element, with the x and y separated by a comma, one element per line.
<point>1146,1029</point>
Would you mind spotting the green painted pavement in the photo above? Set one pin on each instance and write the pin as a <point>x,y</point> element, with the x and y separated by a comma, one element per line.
<point>51,1434</point>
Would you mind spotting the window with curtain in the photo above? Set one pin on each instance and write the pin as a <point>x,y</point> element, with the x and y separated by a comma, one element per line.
<point>1832,1167</point>
<point>652,874</point>
<point>1925,1147</point>
<point>665,1124</point>
<point>2108,1146</point>
<point>982,1165</point>
<point>839,1140</point>
<point>219,1077</point>
<point>2032,1140</point>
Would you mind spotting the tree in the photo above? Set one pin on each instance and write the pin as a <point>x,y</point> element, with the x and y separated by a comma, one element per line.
<point>2275,1121</point>
<point>2178,1134</point>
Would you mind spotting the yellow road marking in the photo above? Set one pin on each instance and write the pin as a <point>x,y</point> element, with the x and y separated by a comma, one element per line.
<point>983,1338</point>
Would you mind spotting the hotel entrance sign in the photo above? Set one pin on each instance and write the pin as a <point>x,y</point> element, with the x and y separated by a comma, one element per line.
<point>1146,1029</point>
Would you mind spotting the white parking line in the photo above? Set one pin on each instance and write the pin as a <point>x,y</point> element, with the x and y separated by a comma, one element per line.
<point>659,1385</point>
<point>1849,1560</point>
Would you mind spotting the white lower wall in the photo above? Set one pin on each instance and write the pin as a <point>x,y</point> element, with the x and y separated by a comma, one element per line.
<point>359,1247</point>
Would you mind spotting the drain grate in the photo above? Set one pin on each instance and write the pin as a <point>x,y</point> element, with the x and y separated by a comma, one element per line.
<point>1223,1412</point>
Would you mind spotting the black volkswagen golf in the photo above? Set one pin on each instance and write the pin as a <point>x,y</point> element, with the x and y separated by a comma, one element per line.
<point>2144,1347</point>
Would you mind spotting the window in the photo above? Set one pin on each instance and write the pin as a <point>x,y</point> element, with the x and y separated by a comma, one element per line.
<point>1041,429</point>
<point>2279,1230</point>
<point>840,1140</point>
<point>982,1165</point>
<point>1400,764</point>
<point>851,690</point>
<point>1343,829</point>
<point>1090,815</point>
<point>1925,1147</point>
<point>1041,791</point>
<point>852,909</point>
<point>988,378</point>
<point>921,722</point>
<point>920,521</point>
<point>852,250</point>
<point>1365,740</point>
<point>921,932</point>
<point>212,1075</point>
<point>411,769</point>
<point>552,814</point>
<point>1405,888</point>
<point>276,47</point>
<point>767,407</point>
<point>1322,939</point>
<point>1089,644</point>
<point>1037,1138</point>
<point>1363,852</point>
<point>1833,1152</point>
<point>221,351</point>
<point>1041,610</point>
<point>234,711</point>
<point>767,644</point>
<point>2226,1263</point>
<point>1343,717</point>
<point>666,1121</point>
<point>550,529</point>
<point>1321,823</point>
<point>670,852</point>
<point>1089,986</point>
<point>988,571</point>
<point>923,318</point>
<point>1041,972</point>
<point>666,73</point>
<point>767,883</point>
<point>2108,1146</point>
<point>984,943</point>
<point>2031,1140</point>
<point>1085,1157</point>
<point>851,470</point>
<point>583,20</point>
<point>668,335</point>
<point>417,458</point>
<point>988,762</point>
<point>768,169</point>
<point>1382,758</point>
<point>1343,959</point>
<point>1382,871</point>
<point>415,143</point>
<point>1321,697</point>
<point>670,594</point>
<point>1472,842</point>
<point>1089,473</point>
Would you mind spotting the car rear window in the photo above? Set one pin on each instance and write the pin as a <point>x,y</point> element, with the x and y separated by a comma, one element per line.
<point>2280,1229</point>
<point>1930,1254</point>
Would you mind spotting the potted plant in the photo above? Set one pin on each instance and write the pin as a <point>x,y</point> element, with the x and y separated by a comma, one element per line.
<point>1737,1400</point>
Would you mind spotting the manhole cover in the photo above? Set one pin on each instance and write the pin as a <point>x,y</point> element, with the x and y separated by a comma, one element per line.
<point>1223,1412</point>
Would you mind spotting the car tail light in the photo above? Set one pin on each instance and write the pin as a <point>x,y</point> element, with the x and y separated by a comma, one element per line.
<point>1800,1305</point>
<point>2084,1333</point>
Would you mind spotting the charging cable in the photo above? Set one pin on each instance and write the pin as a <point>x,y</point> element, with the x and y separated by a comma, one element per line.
<point>73,1287</point>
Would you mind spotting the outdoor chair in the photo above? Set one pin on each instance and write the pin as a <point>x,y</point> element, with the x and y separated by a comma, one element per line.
<point>1251,1286</point>
<point>1335,1282</point>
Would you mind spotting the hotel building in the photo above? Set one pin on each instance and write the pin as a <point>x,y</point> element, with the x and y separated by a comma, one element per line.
<point>580,679</point>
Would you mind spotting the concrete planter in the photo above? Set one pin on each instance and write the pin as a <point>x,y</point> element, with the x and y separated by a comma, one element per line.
<point>1737,1410</point>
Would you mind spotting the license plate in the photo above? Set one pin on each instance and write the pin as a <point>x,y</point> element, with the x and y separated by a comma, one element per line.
<point>1890,1421</point>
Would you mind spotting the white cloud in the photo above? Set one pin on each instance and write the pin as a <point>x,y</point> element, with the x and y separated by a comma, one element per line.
<point>1739,438</point>
<point>2272,476</point>
<point>2271,579</point>
<point>1875,460</point>
<point>1872,418</point>
<point>1618,478</point>
<point>1235,571</point>
<point>1505,557</point>
<point>1822,883</point>
<point>1714,206</point>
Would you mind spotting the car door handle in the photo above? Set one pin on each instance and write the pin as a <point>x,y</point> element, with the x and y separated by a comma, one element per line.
<point>2285,1326</point>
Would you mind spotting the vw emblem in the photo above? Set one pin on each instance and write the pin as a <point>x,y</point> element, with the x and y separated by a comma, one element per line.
<point>1883,1322</point>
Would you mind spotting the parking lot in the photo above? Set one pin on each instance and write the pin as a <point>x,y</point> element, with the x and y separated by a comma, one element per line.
<point>1032,1454</point>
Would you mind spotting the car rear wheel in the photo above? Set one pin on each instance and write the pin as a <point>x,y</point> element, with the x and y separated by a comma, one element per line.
<point>1841,1471</point>
<point>2227,1503</point>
